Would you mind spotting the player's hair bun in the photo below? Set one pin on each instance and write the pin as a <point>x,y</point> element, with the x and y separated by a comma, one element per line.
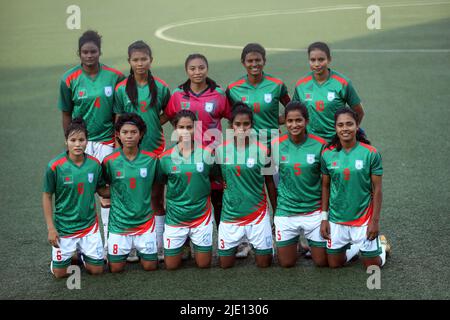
<point>78,121</point>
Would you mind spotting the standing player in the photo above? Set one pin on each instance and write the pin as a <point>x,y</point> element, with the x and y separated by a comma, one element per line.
<point>206,99</point>
<point>263,93</point>
<point>131,173</point>
<point>245,213</point>
<point>74,177</point>
<point>187,167</point>
<point>147,96</point>
<point>87,91</point>
<point>351,194</point>
<point>297,155</point>
<point>324,91</point>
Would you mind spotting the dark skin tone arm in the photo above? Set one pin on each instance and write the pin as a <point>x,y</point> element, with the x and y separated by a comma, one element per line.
<point>271,189</point>
<point>360,111</point>
<point>373,228</point>
<point>66,119</point>
<point>325,225</point>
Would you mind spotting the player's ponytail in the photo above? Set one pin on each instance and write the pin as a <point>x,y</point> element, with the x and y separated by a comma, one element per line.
<point>153,89</point>
<point>131,89</point>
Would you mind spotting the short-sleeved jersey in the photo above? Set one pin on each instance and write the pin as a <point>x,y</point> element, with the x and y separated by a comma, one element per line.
<point>300,186</point>
<point>323,100</point>
<point>153,140</point>
<point>244,198</point>
<point>74,188</point>
<point>350,182</point>
<point>210,106</point>
<point>91,98</point>
<point>188,202</point>
<point>264,100</point>
<point>131,184</point>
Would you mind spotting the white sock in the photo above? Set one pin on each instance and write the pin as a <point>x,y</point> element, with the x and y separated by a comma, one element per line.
<point>160,230</point>
<point>51,267</point>
<point>383,254</point>
<point>351,252</point>
<point>105,218</point>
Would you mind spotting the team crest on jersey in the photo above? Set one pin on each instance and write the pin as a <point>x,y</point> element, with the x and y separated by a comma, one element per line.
<point>250,162</point>
<point>209,106</point>
<point>335,165</point>
<point>268,98</point>
<point>185,105</point>
<point>175,169</point>
<point>308,96</point>
<point>143,172</point>
<point>245,99</point>
<point>108,91</point>
<point>120,175</point>
<point>200,167</point>
<point>331,96</point>
<point>284,158</point>
<point>359,164</point>
<point>310,158</point>
<point>82,93</point>
<point>90,177</point>
<point>68,180</point>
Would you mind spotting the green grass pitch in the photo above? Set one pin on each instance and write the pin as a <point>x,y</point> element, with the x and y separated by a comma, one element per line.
<point>405,93</point>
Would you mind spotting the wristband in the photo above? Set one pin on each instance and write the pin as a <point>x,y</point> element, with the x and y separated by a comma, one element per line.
<point>324,215</point>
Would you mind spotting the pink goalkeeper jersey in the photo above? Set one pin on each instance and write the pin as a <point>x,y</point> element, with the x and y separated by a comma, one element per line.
<point>210,106</point>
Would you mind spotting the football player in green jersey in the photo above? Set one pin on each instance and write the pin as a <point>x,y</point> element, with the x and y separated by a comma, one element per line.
<point>87,91</point>
<point>147,96</point>
<point>74,177</point>
<point>297,155</point>
<point>244,162</point>
<point>351,194</point>
<point>187,168</point>
<point>323,91</point>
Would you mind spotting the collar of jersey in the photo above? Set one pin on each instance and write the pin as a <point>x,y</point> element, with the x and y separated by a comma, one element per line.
<point>73,163</point>
<point>128,160</point>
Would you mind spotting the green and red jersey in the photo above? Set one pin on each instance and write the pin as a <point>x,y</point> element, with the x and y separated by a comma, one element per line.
<point>153,140</point>
<point>210,106</point>
<point>300,186</point>
<point>91,98</point>
<point>74,188</point>
<point>244,198</point>
<point>131,184</point>
<point>264,100</point>
<point>350,182</point>
<point>323,100</point>
<point>188,202</point>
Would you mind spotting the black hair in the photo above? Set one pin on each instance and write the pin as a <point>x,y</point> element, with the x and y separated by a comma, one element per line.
<point>131,87</point>
<point>322,46</point>
<point>183,114</point>
<point>241,108</point>
<point>253,47</point>
<point>76,125</point>
<point>186,86</point>
<point>360,135</point>
<point>90,36</point>
<point>296,106</point>
<point>130,118</point>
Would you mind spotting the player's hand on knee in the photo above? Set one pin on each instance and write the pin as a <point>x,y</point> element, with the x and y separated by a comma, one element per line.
<point>105,203</point>
<point>325,230</point>
<point>53,238</point>
<point>373,229</point>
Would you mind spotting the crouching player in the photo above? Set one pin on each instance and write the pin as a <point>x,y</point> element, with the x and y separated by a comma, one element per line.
<point>74,177</point>
<point>131,174</point>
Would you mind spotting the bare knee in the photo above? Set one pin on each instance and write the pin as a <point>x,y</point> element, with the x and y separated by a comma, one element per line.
<point>150,265</point>
<point>95,271</point>
<point>116,268</point>
<point>60,273</point>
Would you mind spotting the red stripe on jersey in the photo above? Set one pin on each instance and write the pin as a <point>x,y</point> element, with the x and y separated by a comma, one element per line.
<point>73,76</point>
<point>366,216</point>
<point>263,147</point>
<point>206,149</point>
<point>196,222</point>
<point>328,149</point>
<point>226,142</point>
<point>303,80</point>
<point>368,146</point>
<point>161,81</point>
<point>58,163</point>
<point>112,156</point>
<point>141,229</point>
<point>256,215</point>
<point>237,83</point>
<point>167,152</point>
<point>322,141</point>
<point>93,158</point>
<point>148,153</point>
<point>340,79</point>
<point>109,141</point>
<point>84,232</point>
<point>277,81</point>
<point>121,83</point>
<point>280,139</point>
<point>113,70</point>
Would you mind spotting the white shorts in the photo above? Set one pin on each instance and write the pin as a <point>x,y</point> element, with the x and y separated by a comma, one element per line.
<point>343,236</point>
<point>259,235</point>
<point>288,229</point>
<point>90,245</point>
<point>120,246</point>
<point>175,237</point>
<point>99,150</point>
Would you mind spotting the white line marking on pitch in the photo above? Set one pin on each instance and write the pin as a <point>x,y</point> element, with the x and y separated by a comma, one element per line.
<point>159,33</point>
